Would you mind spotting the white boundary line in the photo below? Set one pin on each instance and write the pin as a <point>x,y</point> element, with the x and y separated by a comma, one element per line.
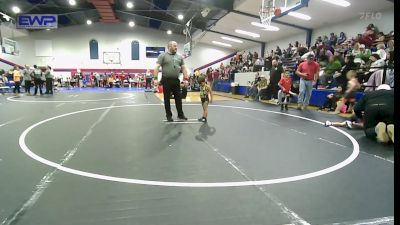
<point>11,121</point>
<point>12,98</point>
<point>347,161</point>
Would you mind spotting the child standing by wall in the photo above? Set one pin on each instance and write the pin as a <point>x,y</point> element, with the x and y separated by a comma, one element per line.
<point>283,95</point>
<point>205,97</point>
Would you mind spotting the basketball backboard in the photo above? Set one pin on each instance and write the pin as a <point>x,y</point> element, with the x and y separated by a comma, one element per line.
<point>274,8</point>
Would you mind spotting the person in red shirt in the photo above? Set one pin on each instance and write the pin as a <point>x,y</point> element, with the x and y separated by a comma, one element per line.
<point>308,72</point>
<point>283,95</point>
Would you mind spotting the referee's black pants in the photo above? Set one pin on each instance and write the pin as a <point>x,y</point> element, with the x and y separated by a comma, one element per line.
<point>172,85</point>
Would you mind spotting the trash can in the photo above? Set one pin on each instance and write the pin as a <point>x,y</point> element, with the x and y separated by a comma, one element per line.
<point>234,88</point>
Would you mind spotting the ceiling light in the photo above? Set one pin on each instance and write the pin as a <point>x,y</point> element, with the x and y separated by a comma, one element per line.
<point>48,29</point>
<point>131,24</point>
<point>88,22</point>
<point>221,43</point>
<point>266,27</point>
<point>180,17</point>
<point>300,15</point>
<point>254,35</point>
<point>72,2</point>
<point>342,3</point>
<point>169,32</point>
<point>232,39</point>
<point>15,9</point>
<point>129,5</point>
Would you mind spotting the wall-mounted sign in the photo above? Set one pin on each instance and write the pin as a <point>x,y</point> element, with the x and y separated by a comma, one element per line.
<point>37,21</point>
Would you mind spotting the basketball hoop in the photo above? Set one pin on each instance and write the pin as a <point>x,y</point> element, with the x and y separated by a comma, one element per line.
<point>266,14</point>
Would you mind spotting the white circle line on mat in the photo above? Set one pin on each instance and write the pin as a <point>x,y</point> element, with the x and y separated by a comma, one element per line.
<point>347,161</point>
<point>14,99</point>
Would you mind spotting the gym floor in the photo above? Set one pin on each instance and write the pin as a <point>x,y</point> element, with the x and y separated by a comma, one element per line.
<point>100,156</point>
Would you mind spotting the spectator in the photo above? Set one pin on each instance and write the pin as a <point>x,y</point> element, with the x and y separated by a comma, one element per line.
<point>368,36</point>
<point>381,51</point>
<point>27,77</point>
<point>37,74</point>
<point>318,41</point>
<point>325,40</point>
<point>332,67</point>
<point>17,78</point>
<point>275,77</point>
<point>390,50</point>
<point>268,62</point>
<point>312,51</point>
<point>342,38</point>
<point>278,51</point>
<point>332,99</point>
<point>333,39</point>
<point>262,87</point>
<point>255,57</point>
<point>301,50</point>
<point>348,49</point>
<point>378,108</point>
<point>49,80</point>
<point>376,62</point>
<point>365,53</point>
<point>221,67</point>
<point>308,72</point>
<point>356,49</point>
<point>349,65</point>
<point>380,38</point>
<point>289,49</point>
<point>252,89</point>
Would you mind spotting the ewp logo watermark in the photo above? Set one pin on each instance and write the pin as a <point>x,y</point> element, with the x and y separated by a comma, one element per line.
<point>36,21</point>
<point>370,15</point>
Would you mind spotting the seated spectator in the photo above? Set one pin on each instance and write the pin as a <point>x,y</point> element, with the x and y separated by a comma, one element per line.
<point>312,51</point>
<point>332,67</point>
<point>252,90</point>
<point>339,56</point>
<point>332,99</point>
<point>333,39</point>
<point>376,62</point>
<point>318,41</point>
<point>376,79</point>
<point>301,50</point>
<point>325,40</point>
<point>390,50</point>
<point>356,49</point>
<point>261,88</point>
<point>325,51</point>
<point>380,38</point>
<point>381,51</point>
<point>364,54</point>
<point>348,49</point>
<point>323,61</point>
<point>378,108</point>
<point>341,79</point>
<point>342,38</point>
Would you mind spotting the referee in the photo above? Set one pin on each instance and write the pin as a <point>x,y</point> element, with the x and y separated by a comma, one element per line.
<point>171,64</point>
